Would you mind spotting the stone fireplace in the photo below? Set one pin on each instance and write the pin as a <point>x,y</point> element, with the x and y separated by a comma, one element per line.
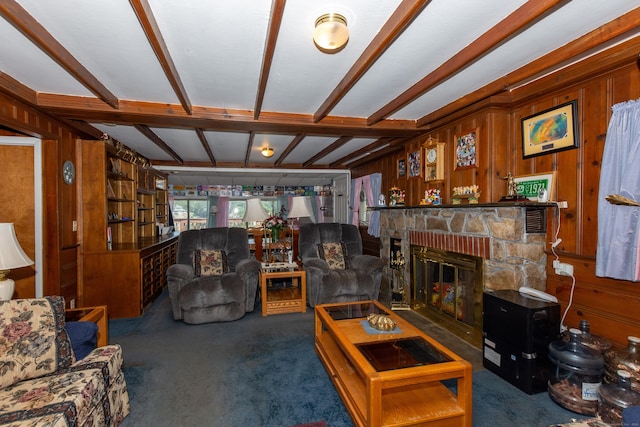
<point>502,243</point>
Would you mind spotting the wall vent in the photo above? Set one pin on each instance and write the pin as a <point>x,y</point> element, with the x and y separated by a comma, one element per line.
<point>535,220</point>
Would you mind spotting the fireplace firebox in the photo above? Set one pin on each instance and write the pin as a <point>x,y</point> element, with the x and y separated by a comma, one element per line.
<point>447,288</point>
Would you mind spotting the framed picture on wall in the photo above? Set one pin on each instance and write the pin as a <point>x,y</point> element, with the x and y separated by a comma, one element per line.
<point>415,164</point>
<point>402,167</point>
<point>550,131</point>
<point>466,145</point>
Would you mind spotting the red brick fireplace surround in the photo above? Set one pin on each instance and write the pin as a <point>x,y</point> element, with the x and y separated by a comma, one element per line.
<point>509,237</point>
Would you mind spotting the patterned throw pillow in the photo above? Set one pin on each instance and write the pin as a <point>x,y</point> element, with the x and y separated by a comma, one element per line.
<point>210,263</point>
<point>33,339</point>
<point>335,253</point>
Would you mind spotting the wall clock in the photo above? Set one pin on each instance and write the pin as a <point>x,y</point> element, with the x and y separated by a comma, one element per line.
<point>68,172</point>
<point>434,166</point>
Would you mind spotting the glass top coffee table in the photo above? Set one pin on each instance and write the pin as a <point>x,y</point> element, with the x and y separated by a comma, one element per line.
<point>391,377</point>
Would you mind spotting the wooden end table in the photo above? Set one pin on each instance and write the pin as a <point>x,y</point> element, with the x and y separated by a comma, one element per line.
<point>394,378</point>
<point>97,315</point>
<point>291,299</point>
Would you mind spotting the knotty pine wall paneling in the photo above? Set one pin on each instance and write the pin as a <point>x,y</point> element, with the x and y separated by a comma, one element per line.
<point>610,305</point>
<point>60,275</point>
<point>17,176</point>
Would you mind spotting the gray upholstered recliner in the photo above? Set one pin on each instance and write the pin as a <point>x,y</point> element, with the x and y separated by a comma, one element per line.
<point>213,298</point>
<point>359,281</point>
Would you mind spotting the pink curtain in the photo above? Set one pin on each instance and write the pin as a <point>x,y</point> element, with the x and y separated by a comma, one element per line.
<point>366,184</point>
<point>222,217</point>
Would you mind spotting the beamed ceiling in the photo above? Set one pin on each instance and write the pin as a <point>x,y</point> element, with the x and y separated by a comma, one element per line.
<point>207,84</point>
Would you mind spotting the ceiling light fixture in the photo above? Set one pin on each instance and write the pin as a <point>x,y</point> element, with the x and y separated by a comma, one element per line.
<point>331,33</point>
<point>267,152</point>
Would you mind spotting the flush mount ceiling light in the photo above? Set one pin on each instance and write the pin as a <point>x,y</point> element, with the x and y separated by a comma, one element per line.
<point>331,33</point>
<point>267,152</point>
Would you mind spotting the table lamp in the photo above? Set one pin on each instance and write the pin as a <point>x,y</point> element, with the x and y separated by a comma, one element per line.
<point>255,211</point>
<point>300,208</point>
<point>11,256</point>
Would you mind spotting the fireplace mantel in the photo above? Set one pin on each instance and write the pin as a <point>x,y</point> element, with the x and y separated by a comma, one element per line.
<point>471,206</point>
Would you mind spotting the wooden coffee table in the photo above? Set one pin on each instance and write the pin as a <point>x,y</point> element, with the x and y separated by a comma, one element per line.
<point>292,299</point>
<point>390,378</point>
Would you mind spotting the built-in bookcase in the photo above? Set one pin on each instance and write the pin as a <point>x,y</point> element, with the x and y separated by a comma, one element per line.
<point>124,261</point>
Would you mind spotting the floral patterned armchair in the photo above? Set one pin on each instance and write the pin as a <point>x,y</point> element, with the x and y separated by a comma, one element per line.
<point>41,383</point>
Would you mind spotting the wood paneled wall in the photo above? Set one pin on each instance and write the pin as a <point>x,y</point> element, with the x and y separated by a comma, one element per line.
<point>610,305</point>
<point>18,173</point>
<point>60,275</point>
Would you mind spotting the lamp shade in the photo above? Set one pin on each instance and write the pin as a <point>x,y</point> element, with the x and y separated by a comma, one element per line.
<point>255,211</point>
<point>11,254</point>
<point>300,208</point>
<point>331,33</point>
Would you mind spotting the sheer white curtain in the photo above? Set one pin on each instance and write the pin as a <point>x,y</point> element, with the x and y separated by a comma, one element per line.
<point>320,212</point>
<point>370,184</point>
<point>618,253</point>
<point>356,185</point>
<point>212,211</point>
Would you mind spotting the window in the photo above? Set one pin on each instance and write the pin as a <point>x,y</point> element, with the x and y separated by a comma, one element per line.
<point>363,211</point>
<point>190,214</point>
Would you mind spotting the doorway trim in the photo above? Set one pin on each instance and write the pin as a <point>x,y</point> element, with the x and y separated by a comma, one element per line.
<point>37,186</point>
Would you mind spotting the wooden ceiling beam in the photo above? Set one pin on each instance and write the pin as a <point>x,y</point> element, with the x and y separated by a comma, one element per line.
<point>146,131</point>
<point>545,64</point>
<point>13,87</point>
<point>328,150</point>
<point>374,156</point>
<point>205,144</point>
<point>293,144</point>
<point>247,155</point>
<point>17,16</point>
<point>374,146</point>
<point>221,119</point>
<point>401,18</point>
<point>277,10</point>
<point>154,36</point>
<point>522,18</point>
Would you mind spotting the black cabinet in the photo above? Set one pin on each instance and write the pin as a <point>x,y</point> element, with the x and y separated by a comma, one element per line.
<point>517,331</point>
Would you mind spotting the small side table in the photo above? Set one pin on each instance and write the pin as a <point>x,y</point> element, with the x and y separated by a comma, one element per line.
<point>97,315</point>
<point>287,299</point>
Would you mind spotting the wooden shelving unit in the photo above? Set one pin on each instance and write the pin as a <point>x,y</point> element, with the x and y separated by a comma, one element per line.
<point>162,201</point>
<point>146,203</point>
<point>127,270</point>
<point>146,214</point>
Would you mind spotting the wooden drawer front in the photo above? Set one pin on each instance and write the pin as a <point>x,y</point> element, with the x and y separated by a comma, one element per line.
<point>147,280</point>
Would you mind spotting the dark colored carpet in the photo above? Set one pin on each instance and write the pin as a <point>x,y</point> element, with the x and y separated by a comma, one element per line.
<point>263,371</point>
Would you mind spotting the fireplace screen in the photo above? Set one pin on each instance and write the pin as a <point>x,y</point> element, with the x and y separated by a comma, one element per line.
<point>448,285</point>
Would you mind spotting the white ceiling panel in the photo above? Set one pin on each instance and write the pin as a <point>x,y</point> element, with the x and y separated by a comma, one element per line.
<point>218,52</point>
